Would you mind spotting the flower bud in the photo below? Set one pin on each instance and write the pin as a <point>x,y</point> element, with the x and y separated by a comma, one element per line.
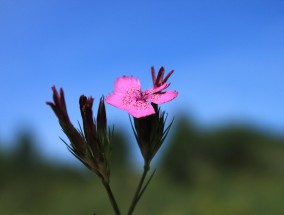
<point>92,144</point>
<point>60,110</point>
<point>101,117</point>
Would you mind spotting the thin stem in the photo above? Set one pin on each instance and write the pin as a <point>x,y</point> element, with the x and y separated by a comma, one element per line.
<point>111,198</point>
<point>138,190</point>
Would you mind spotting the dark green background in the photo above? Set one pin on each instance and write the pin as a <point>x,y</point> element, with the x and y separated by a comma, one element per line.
<point>230,170</point>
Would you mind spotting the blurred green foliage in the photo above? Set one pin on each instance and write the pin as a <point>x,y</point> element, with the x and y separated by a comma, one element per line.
<point>230,170</point>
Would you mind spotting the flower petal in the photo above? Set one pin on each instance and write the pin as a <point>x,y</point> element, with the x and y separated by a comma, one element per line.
<point>126,83</point>
<point>140,109</point>
<point>160,98</point>
<point>115,99</point>
<point>157,89</point>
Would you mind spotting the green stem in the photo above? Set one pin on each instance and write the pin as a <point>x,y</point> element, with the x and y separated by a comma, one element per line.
<point>111,198</point>
<point>138,190</point>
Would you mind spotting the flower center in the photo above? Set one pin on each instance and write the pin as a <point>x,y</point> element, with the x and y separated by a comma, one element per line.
<point>131,95</point>
<point>141,105</point>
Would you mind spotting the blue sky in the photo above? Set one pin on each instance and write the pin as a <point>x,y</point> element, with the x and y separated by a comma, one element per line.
<point>228,57</point>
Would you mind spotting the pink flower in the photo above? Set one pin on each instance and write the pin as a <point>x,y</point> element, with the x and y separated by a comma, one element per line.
<point>129,96</point>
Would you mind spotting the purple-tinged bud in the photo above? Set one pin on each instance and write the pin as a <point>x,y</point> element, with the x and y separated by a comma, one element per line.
<point>101,117</point>
<point>97,141</point>
<point>59,107</point>
<point>60,110</point>
<point>91,148</point>
<point>89,126</point>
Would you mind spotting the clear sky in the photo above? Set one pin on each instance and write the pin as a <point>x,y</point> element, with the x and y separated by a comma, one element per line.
<point>228,57</point>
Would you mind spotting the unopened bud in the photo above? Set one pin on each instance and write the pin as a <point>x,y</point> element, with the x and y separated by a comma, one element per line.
<point>101,117</point>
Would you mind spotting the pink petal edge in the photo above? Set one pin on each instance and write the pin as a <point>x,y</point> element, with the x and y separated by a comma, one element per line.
<point>114,99</point>
<point>161,98</point>
<point>142,112</point>
<point>157,89</point>
<point>124,83</point>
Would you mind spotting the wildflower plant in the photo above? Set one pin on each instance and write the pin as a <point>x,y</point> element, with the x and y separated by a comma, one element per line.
<point>91,144</point>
